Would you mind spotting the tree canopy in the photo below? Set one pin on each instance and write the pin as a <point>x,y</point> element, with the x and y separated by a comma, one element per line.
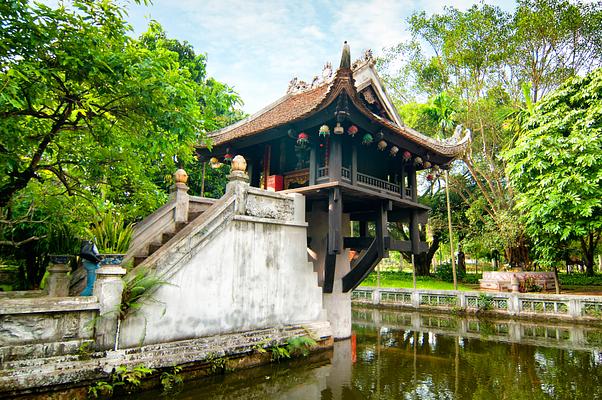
<point>555,167</point>
<point>92,119</point>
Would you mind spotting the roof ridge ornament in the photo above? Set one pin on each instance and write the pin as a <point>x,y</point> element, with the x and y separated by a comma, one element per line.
<point>346,56</point>
<point>366,58</point>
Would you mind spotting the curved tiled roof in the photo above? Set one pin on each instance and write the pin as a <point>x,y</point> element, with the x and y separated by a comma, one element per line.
<point>297,106</point>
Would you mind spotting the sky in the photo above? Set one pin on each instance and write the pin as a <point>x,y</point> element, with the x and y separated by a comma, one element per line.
<point>257,47</point>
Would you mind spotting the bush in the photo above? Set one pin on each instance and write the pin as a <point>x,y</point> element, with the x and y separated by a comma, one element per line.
<point>472,279</point>
<point>445,273</point>
<point>580,280</point>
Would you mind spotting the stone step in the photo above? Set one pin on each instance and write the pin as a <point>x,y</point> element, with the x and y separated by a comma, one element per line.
<point>139,259</point>
<point>154,247</point>
<point>167,237</point>
<point>193,215</point>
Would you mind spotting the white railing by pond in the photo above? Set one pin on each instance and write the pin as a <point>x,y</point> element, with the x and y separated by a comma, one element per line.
<point>372,182</point>
<point>583,308</point>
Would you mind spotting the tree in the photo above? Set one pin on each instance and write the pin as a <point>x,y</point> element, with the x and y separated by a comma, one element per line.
<point>92,120</point>
<point>482,57</point>
<point>556,169</point>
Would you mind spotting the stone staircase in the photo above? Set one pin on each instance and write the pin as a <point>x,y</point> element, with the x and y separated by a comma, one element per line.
<point>165,237</point>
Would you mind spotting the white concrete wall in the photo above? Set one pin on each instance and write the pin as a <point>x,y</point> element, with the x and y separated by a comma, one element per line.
<point>251,274</point>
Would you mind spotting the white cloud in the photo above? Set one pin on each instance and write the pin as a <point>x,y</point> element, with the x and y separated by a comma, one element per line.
<point>258,46</point>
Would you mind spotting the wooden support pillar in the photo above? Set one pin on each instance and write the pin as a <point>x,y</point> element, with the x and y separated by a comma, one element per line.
<point>382,231</point>
<point>313,162</point>
<point>414,233</point>
<point>402,184</point>
<point>354,164</point>
<point>335,158</point>
<point>267,155</point>
<point>412,179</point>
<point>335,216</point>
<point>282,155</point>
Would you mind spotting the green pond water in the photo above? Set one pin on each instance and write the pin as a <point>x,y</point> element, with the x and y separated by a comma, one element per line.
<point>405,355</point>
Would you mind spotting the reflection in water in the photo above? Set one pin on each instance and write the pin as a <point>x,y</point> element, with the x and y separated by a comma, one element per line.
<point>402,355</point>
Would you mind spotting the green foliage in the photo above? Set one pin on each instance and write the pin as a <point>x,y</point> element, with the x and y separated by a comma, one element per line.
<point>579,280</point>
<point>556,168</point>
<point>138,290</point>
<point>84,351</point>
<point>484,302</point>
<point>101,390</point>
<point>129,379</point>
<point>300,345</point>
<point>171,381</point>
<point>445,273</point>
<point>279,353</point>
<point>217,364</point>
<point>111,234</point>
<point>92,121</point>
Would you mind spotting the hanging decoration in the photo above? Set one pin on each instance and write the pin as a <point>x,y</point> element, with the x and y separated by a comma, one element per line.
<point>302,139</point>
<point>393,151</point>
<point>436,168</point>
<point>352,130</point>
<point>407,156</point>
<point>417,160</point>
<point>228,158</point>
<point>339,130</point>
<point>427,164</point>
<point>214,162</point>
<point>324,131</point>
<point>430,177</point>
<point>382,145</point>
<point>367,139</point>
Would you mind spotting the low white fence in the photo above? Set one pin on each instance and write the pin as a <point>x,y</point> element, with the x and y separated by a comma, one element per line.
<point>587,308</point>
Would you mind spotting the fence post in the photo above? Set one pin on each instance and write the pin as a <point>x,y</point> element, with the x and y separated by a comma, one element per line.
<point>376,296</point>
<point>108,288</point>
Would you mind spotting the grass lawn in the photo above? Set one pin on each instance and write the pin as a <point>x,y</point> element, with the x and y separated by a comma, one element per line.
<point>395,279</point>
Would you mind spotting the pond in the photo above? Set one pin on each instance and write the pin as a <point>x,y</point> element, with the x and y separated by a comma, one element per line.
<point>406,355</point>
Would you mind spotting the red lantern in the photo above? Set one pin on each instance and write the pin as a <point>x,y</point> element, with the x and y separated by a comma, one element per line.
<point>352,130</point>
<point>228,158</point>
<point>407,156</point>
<point>430,177</point>
<point>302,139</point>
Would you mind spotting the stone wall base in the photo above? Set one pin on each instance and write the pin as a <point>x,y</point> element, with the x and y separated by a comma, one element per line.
<point>75,374</point>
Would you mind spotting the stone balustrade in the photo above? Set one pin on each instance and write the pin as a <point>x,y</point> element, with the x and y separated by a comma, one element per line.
<point>582,308</point>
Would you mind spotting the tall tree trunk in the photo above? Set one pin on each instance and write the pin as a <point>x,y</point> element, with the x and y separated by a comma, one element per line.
<point>424,260</point>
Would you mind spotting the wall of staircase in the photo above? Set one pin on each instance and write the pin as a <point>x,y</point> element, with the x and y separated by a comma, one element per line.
<point>238,264</point>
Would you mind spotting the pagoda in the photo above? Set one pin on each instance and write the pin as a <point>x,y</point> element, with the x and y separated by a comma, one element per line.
<point>340,142</point>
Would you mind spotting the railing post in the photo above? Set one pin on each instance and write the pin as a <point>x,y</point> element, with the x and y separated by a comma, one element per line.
<point>376,296</point>
<point>238,183</point>
<point>58,280</point>
<point>180,194</point>
<point>574,308</point>
<point>108,288</point>
<point>416,299</point>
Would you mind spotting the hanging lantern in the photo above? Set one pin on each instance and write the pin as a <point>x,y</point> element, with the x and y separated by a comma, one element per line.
<point>427,164</point>
<point>228,158</point>
<point>338,130</point>
<point>436,168</point>
<point>418,161</point>
<point>352,130</point>
<point>302,139</point>
<point>324,131</point>
<point>430,177</point>
<point>407,156</point>
<point>367,139</point>
<point>393,151</point>
<point>382,145</point>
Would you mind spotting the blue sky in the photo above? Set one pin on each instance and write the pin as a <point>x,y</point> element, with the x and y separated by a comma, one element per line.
<point>258,46</point>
